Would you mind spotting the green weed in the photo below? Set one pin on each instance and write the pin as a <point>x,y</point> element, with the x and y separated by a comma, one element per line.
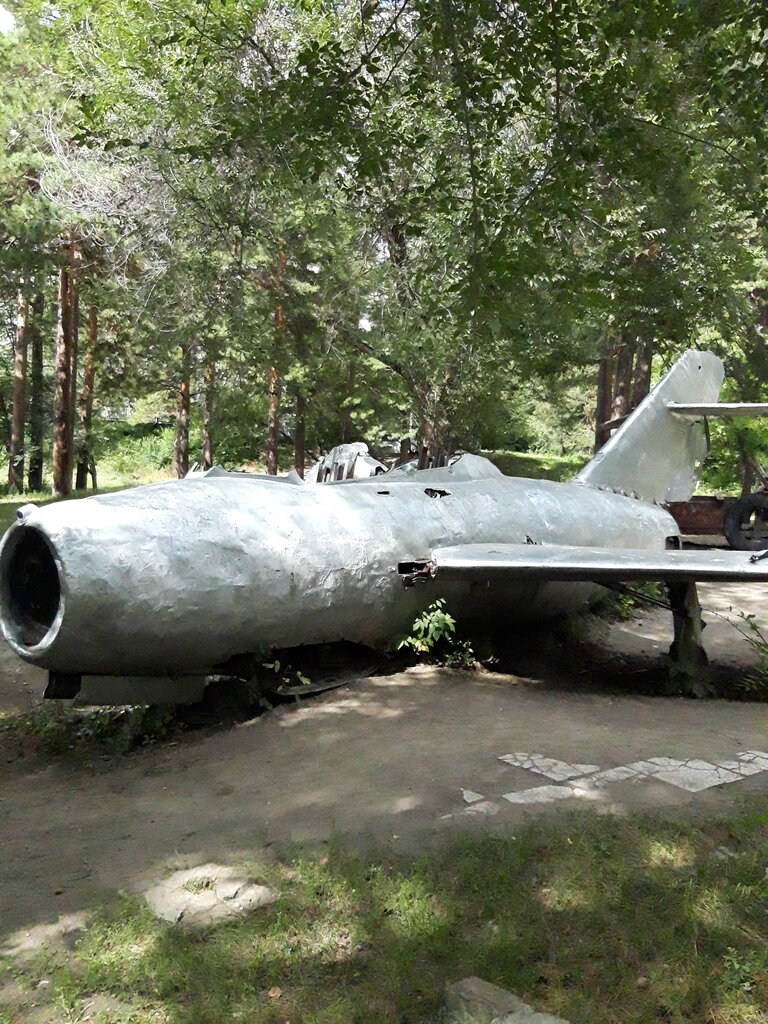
<point>55,729</point>
<point>433,637</point>
<point>755,683</point>
<point>286,674</point>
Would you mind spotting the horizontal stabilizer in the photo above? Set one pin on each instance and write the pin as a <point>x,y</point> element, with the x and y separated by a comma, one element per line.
<point>718,409</point>
<point>547,562</point>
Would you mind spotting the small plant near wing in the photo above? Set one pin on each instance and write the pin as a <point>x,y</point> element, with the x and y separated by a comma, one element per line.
<point>624,604</point>
<point>433,637</point>
<point>430,628</point>
<point>755,683</point>
<point>288,676</point>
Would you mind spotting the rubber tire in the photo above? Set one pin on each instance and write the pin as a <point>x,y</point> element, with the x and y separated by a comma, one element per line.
<point>735,516</point>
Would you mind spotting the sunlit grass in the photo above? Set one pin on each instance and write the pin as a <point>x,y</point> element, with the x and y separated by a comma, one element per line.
<point>676,852</point>
<point>9,503</point>
<point>598,920</point>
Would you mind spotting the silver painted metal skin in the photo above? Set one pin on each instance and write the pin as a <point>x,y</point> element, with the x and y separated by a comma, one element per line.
<point>656,455</point>
<point>179,576</point>
<point>719,409</point>
<point>344,462</point>
<point>600,566</point>
<point>176,578</point>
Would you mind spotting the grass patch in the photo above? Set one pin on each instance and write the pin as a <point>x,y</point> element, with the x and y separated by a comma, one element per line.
<point>600,920</point>
<point>56,728</point>
<point>9,503</point>
<point>534,465</point>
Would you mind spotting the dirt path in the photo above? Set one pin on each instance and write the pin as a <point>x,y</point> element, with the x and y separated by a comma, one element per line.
<point>649,633</point>
<point>21,685</point>
<point>387,760</point>
<point>403,759</point>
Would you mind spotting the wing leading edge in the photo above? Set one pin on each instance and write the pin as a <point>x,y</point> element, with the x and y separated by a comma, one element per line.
<point>597,565</point>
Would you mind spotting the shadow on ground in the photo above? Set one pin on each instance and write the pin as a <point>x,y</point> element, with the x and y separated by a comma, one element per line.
<point>597,920</point>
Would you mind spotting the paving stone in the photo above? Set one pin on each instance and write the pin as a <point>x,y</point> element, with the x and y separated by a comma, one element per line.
<point>484,807</point>
<point>470,796</point>
<point>540,795</point>
<point>206,894</point>
<point>551,767</point>
<point>695,775</point>
<point>62,934</point>
<point>100,1006</point>
<point>755,756</point>
<point>643,768</point>
<point>516,760</point>
<point>742,768</point>
<point>690,774</point>
<point>474,1001</point>
<point>618,774</point>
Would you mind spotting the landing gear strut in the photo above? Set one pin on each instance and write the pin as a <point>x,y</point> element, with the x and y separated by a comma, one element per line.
<point>688,662</point>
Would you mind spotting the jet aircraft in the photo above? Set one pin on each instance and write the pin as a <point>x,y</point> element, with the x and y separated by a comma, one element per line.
<point>141,595</point>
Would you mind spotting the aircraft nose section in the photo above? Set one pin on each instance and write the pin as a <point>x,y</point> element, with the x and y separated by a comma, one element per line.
<point>119,584</point>
<point>31,593</point>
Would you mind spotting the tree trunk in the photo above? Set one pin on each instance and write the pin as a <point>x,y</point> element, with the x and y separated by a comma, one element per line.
<point>747,475</point>
<point>273,419</point>
<point>300,436</point>
<point>622,379</point>
<point>746,469</point>
<point>62,418</point>
<point>604,396</point>
<point>19,401</point>
<point>74,314</point>
<point>273,376</point>
<point>345,412</point>
<point>181,440</point>
<point>434,432</point>
<point>397,245</point>
<point>36,396</point>
<point>85,460</point>
<point>209,396</point>
<point>18,413</point>
<point>641,379</point>
<point>301,329</point>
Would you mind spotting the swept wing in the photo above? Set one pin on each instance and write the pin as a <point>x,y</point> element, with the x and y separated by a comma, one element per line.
<point>597,565</point>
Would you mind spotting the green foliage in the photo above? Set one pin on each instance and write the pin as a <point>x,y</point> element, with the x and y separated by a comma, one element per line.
<point>433,637</point>
<point>427,221</point>
<point>535,466</point>
<point>755,683</point>
<point>55,729</point>
<point>287,675</point>
<point>624,603</point>
<point>745,972</point>
<point>429,629</point>
<point>375,938</point>
<point>127,450</point>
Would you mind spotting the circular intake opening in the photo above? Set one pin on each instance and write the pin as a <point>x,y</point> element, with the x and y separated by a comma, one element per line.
<point>30,587</point>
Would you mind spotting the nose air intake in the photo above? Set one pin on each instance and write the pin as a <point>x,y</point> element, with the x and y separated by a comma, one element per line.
<point>30,588</point>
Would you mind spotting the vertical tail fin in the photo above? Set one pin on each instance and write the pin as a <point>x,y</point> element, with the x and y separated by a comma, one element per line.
<point>656,454</point>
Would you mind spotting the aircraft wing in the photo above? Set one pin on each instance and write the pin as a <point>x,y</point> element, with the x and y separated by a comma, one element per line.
<point>598,565</point>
